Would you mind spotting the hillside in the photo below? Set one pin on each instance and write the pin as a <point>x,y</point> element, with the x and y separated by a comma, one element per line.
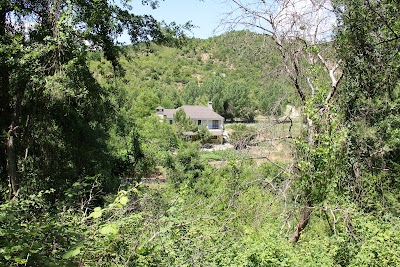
<point>239,71</point>
<point>80,138</point>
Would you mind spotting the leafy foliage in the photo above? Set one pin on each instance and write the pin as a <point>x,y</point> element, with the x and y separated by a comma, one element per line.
<point>207,70</point>
<point>78,136</point>
<point>55,117</point>
<point>368,42</point>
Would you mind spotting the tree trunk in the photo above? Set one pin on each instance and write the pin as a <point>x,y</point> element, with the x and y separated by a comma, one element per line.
<point>304,219</point>
<point>5,110</point>
<point>12,163</point>
<point>12,159</point>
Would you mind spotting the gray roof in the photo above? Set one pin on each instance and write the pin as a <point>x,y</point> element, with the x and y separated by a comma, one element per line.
<point>201,112</point>
<point>195,113</point>
<point>169,113</point>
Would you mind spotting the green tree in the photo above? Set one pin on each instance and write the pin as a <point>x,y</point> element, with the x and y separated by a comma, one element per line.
<point>368,42</point>
<point>203,134</point>
<point>145,104</point>
<point>229,99</point>
<point>238,103</point>
<point>182,123</point>
<point>185,167</point>
<point>158,140</point>
<point>53,114</point>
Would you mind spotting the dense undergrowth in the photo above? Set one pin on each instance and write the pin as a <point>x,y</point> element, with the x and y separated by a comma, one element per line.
<point>78,134</point>
<point>239,215</point>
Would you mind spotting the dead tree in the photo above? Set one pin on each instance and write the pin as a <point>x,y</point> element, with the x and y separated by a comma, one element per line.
<point>298,28</point>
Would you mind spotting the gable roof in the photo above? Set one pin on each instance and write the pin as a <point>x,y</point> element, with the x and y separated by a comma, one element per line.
<point>194,113</point>
<point>201,112</point>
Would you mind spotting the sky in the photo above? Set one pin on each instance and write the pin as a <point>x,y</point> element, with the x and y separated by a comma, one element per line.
<point>205,15</point>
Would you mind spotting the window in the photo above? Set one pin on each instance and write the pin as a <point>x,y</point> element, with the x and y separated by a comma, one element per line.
<point>170,121</point>
<point>215,124</point>
<point>198,122</point>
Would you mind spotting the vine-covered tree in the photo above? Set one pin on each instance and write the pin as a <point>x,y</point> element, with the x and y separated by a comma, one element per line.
<point>368,42</point>
<point>298,29</point>
<point>53,113</point>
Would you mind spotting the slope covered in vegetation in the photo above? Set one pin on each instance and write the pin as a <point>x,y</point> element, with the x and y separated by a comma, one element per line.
<point>78,134</point>
<point>239,71</point>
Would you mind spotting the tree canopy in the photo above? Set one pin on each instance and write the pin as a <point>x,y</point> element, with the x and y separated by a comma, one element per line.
<point>54,115</point>
<point>80,139</point>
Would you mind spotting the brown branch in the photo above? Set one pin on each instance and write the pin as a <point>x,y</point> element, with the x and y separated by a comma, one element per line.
<point>304,220</point>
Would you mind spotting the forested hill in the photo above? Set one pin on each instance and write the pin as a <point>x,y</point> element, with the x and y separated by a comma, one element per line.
<point>240,72</point>
<point>79,137</point>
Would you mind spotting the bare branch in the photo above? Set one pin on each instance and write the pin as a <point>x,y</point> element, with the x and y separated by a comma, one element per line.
<point>334,81</point>
<point>333,89</point>
<point>311,86</point>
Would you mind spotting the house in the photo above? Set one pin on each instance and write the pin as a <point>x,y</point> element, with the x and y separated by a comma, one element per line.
<point>201,115</point>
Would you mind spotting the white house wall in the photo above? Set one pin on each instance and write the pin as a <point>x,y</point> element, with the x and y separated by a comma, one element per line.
<point>208,123</point>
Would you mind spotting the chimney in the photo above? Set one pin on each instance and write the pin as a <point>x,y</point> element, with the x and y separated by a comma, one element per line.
<point>210,105</point>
